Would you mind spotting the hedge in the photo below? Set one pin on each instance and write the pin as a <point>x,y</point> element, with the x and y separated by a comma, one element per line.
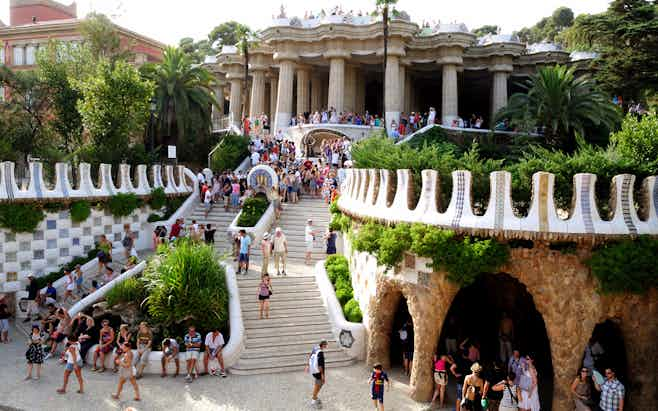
<point>230,152</point>
<point>80,211</point>
<point>252,210</point>
<point>338,272</point>
<point>20,218</point>
<point>158,198</point>
<point>131,290</point>
<point>123,205</point>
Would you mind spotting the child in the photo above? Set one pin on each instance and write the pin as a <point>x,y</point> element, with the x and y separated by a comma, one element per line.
<point>376,382</point>
<point>34,354</point>
<point>73,364</point>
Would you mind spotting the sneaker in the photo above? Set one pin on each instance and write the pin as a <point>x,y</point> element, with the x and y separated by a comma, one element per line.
<point>222,373</point>
<point>316,404</point>
<point>284,273</point>
<point>27,320</point>
<point>188,378</point>
<point>213,373</point>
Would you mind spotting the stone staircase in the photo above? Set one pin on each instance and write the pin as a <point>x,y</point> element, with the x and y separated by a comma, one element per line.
<point>298,319</point>
<point>220,221</point>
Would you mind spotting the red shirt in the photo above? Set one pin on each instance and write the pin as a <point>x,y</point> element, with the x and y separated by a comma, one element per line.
<point>175,230</point>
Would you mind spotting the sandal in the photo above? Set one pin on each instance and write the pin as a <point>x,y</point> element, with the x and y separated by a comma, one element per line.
<point>102,370</point>
<point>61,391</point>
<point>80,392</point>
<point>94,368</point>
<point>116,397</point>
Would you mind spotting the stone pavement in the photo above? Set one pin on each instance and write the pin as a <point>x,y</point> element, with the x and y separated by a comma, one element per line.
<point>346,389</point>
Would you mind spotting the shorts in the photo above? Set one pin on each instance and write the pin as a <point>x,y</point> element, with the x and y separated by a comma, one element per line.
<point>4,324</point>
<point>263,297</point>
<point>408,355</point>
<point>78,281</point>
<point>143,358</point>
<point>235,200</point>
<point>318,378</point>
<point>192,355</point>
<point>60,337</point>
<point>377,395</point>
<point>459,386</point>
<point>104,349</point>
<point>309,246</point>
<point>440,377</point>
<point>71,366</point>
<point>243,258</point>
<point>126,372</point>
<point>206,206</point>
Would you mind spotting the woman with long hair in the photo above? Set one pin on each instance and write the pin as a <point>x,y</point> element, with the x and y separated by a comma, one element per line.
<point>529,386</point>
<point>582,391</point>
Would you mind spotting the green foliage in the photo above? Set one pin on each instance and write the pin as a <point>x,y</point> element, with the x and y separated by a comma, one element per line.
<point>638,139</point>
<point>196,50</point>
<point>103,39</point>
<point>344,291</point>
<point>158,198</point>
<point>486,29</point>
<point>232,150</point>
<point>367,237</point>
<point>333,207</point>
<point>225,33</point>
<point>20,218</point>
<point>392,245</point>
<point>465,261</point>
<point>80,211</point>
<point>565,105</point>
<point>123,204</point>
<point>153,217</point>
<point>340,222</point>
<point>548,28</point>
<point>626,266</point>
<point>252,210</point>
<point>187,284</point>
<point>131,290</point>
<point>352,311</point>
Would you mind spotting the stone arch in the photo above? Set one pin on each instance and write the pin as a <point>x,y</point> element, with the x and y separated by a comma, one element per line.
<point>312,140</point>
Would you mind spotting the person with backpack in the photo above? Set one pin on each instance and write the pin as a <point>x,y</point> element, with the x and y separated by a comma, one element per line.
<point>376,382</point>
<point>511,393</point>
<point>316,368</point>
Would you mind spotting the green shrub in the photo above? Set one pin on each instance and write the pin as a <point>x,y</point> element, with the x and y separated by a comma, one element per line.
<point>123,204</point>
<point>54,207</point>
<point>158,198</point>
<point>252,210</point>
<point>173,204</point>
<point>333,207</point>
<point>367,238</point>
<point>625,266</point>
<point>80,211</point>
<point>153,217</point>
<point>20,218</point>
<point>129,290</point>
<point>638,139</point>
<point>340,222</point>
<point>466,260</point>
<point>187,283</point>
<point>392,245</point>
<point>232,150</point>
<point>344,292</point>
<point>352,311</point>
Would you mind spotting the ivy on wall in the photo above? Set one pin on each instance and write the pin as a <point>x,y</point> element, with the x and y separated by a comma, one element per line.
<point>80,211</point>
<point>123,204</point>
<point>338,272</point>
<point>20,218</point>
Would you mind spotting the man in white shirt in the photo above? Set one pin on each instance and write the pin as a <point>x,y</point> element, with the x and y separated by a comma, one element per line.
<point>201,178</point>
<point>279,135</point>
<point>214,344</point>
<point>255,158</point>
<point>309,238</point>
<point>280,249</point>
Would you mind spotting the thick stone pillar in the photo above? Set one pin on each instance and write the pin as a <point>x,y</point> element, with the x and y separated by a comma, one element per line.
<point>350,88</point>
<point>303,95</point>
<point>403,88</point>
<point>408,93</point>
<point>274,91</point>
<point>257,103</point>
<point>337,84</point>
<point>235,102</point>
<point>392,94</point>
<point>360,92</point>
<point>449,99</point>
<point>316,93</point>
<point>284,95</point>
<point>501,69</point>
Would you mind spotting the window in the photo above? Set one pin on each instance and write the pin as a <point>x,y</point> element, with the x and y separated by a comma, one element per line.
<point>30,55</point>
<point>19,54</point>
<point>2,55</point>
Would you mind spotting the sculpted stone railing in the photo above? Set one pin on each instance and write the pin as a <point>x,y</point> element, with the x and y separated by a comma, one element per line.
<point>62,188</point>
<point>365,194</point>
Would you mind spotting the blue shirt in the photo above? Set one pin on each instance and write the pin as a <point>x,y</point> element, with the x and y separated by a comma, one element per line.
<point>51,292</point>
<point>245,242</point>
<point>194,339</point>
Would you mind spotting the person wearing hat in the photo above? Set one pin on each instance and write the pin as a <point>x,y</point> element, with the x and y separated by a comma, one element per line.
<point>32,293</point>
<point>474,390</point>
<point>266,250</point>
<point>280,249</point>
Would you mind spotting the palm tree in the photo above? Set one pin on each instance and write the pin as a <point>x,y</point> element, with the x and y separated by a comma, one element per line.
<point>383,5</point>
<point>246,40</point>
<point>183,95</point>
<point>562,104</point>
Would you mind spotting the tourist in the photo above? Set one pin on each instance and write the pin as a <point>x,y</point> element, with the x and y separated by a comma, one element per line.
<point>528,384</point>
<point>405,334</point>
<point>195,233</point>
<point>309,239</point>
<point>505,338</point>
<point>175,231</point>
<point>192,341</point>
<point>264,293</point>
<point>266,249</point>
<point>104,254</point>
<point>376,382</point>
<point>49,318</point>
<point>62,331</point>
<point>207,203</point>
<point>4,321</point>
<point>582,391</point>
<point>209,234</point>
<point>126,371</point>
<point>144,344</point>
<point>214,344</point>
<point>512,394</point>
<point>235,194</point>
<point>69,286</point>
<point>128,241</point>
<point>612,392</point>
<point>440,378</point>
<point>316,366</point>
<point>79,279</point>
<point>431,118</point>
<point>105,341</point>
<point>516,365</point>
<point>34,353</point>
<point>474,389</point>
<point>51,291</point>
<point>32,294</point>
<point>245,248</point>
<point>84,331</point>
<point>280,249</point>
<point>170,351</point>
<point>123,337</point>
<point>73,364</point>
<point>330,238</point>
<point>459,369</point>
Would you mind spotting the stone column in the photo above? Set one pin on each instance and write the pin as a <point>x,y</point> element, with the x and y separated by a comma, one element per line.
<point>303,79</point>
<point>360,92</point>
<point>337,84</point>
<point>257,103</point>
<point>350,88</point>
<point>408,93</point>
<point>403,88</point>
<point>284,94</point>
<point>274,90</point>
<point>501,69</point>
<point>316,93</point>
<point>449,99</point>
<point>235,102</point>
<point>392,95</point>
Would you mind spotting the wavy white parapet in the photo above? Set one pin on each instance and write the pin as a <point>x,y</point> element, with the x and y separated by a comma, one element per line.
<point>543,221</point>
<point>63,188</point>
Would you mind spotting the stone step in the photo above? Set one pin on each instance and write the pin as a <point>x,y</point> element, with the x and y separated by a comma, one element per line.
<point>278,297</point>
<point>289,304</point>
<point>305,341</point>
<point>280,281</point>
<point>295,362</point>
<point>278,287</point>
<point>323,329</point>
<point>267,353</point>
<point>276,311</point>
<point>275,323</point>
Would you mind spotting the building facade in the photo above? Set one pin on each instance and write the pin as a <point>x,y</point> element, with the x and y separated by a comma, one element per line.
<point>335,61</point>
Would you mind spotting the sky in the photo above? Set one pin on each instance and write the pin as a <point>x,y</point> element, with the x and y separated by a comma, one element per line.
<point>170,20</point>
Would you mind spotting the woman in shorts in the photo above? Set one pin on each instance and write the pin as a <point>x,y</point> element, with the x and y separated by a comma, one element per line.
<point>144,342</point>
<point>126,371</point>
<point>264,293</point>
<point>104,347</point>
<point>440,378</point>
<point>73,364</point>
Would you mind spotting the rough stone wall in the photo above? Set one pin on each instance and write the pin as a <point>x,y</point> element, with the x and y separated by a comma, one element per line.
<point>565,295</point>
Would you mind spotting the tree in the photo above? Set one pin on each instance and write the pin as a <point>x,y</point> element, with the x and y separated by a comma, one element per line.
<point>548,28</point>
<point>103,39</point>
<point>626,38</point>
<point>561,103</point>
<point>384,5</point>
<point>246,40</point>
<point>486,29</point>
<point>196,50</point>
<point>562,17</point>
<point>225,34</point>
<point>114,107</point>
<point>183,95</point>
<point>638,138</point>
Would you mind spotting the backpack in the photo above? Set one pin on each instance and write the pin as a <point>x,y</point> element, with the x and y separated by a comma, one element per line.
<point>313,365</point>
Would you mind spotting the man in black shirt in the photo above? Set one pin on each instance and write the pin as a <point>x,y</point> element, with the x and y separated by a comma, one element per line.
<point>317,369</point>
<point>32,292</point>
<point>209,234</point>
<point>460,369</point>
